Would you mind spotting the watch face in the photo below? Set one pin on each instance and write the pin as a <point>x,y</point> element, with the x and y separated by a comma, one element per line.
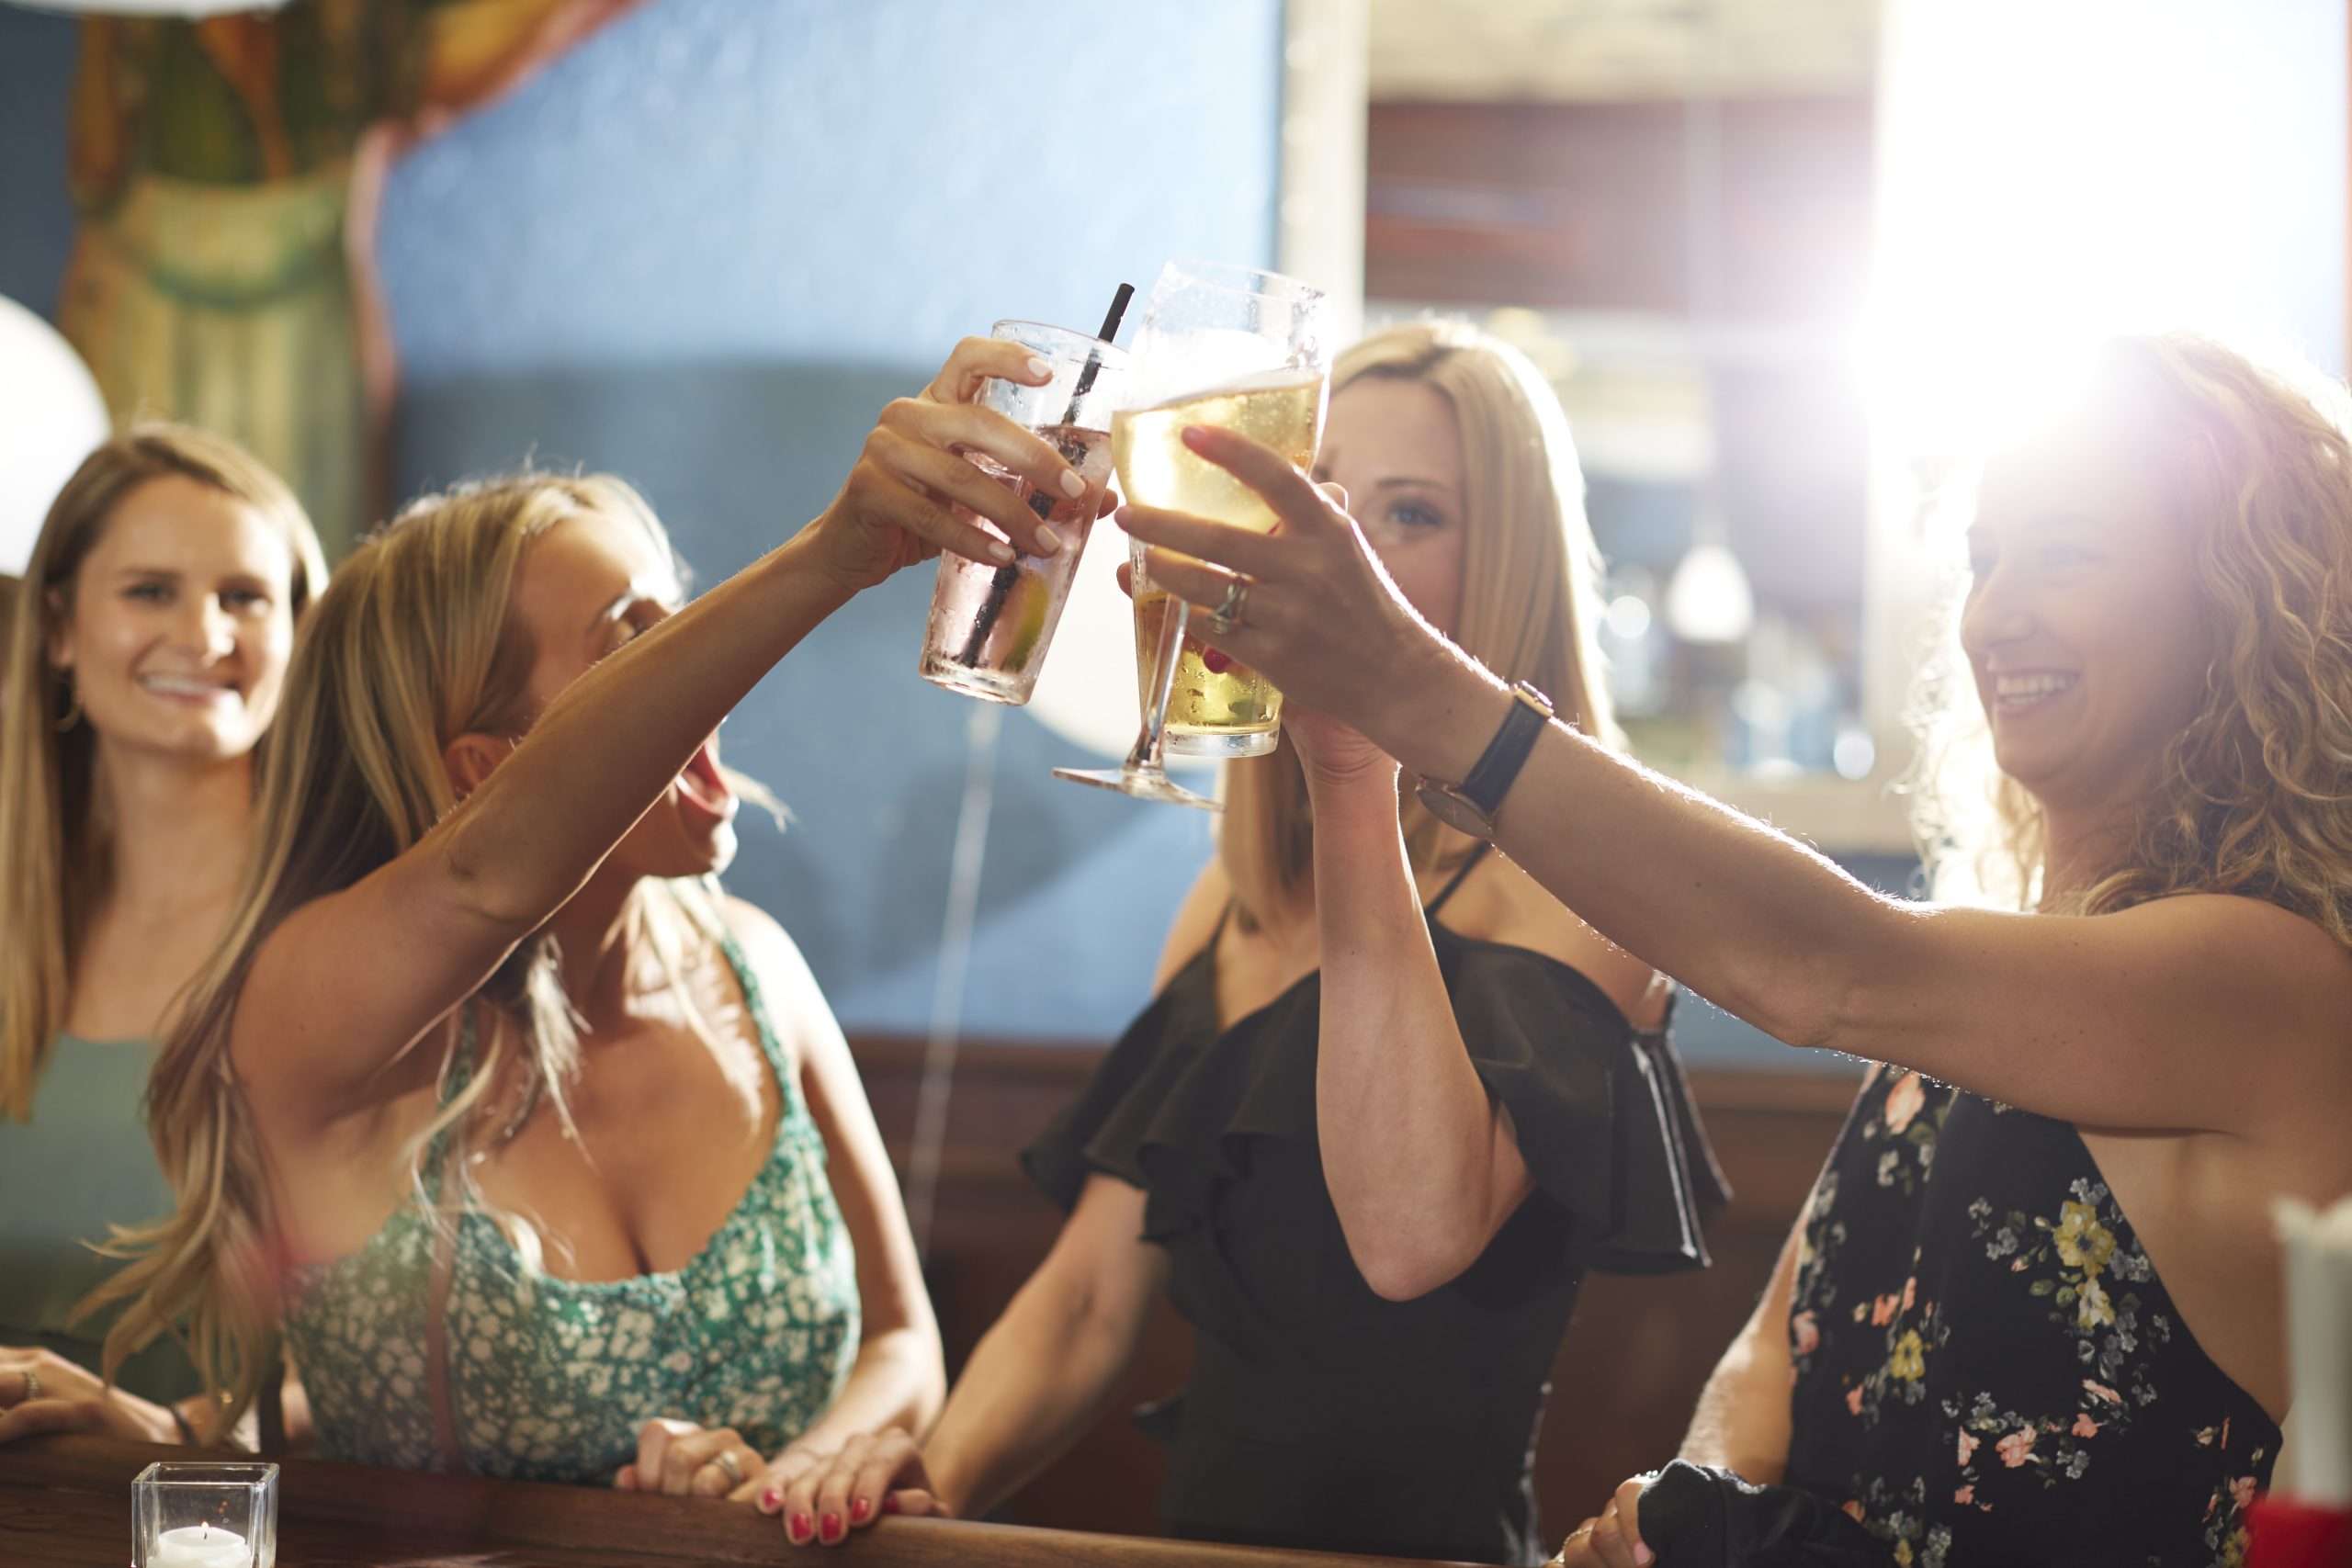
<point>1454,811</point>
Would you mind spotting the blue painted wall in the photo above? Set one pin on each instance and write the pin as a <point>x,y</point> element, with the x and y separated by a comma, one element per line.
<point>36,54</point>
<point>702,252</point>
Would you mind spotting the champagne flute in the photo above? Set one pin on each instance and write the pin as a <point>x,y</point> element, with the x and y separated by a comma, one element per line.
<point>1242,349</point>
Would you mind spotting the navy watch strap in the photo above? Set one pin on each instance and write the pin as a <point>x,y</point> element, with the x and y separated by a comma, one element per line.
<point>1492,779</point>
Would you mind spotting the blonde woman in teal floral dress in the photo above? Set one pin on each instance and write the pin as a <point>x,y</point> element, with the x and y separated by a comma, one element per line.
<point>550,1160</point>
<point>2033,1310</point>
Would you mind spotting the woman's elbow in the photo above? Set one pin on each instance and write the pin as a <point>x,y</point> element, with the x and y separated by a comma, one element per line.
<point>1405,1268</point>
<point>486,888</point>
<point>1810,1003</point>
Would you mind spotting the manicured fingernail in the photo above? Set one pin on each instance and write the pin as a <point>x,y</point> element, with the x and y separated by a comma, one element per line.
<point>797,1529</point>
<point>831,1528</point>
<point>1002,550</point>
<point>1072,486</point>
<point>1039,369</point>
<point>1048,542</point>
<point>1644,1556</point>
<point>1194,435</point>
<point>889,1504</point>
<point>770,1500</point>
<point>859,1510</point>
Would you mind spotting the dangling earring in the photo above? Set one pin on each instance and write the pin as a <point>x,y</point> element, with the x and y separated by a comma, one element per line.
<point>72,714</point>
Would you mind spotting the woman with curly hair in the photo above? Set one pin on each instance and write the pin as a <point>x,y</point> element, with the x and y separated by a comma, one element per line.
<point>2032,1311</point>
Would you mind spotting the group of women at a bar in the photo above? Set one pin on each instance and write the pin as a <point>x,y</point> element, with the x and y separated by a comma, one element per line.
<point>369,981</point>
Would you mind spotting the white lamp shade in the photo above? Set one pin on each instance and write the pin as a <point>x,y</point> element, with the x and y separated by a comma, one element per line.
<point>1708,599</point>
<point>50,416</point>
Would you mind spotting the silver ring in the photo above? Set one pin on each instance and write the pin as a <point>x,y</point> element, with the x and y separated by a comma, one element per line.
<point>726,1461</point>
<point>1227,615</point>
<point>32,1386</point>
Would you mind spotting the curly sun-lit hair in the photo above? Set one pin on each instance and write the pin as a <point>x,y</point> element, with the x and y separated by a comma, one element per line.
<point>2254,794</point>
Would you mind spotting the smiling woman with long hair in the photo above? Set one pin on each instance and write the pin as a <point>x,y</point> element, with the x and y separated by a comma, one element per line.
<point>1390,1102</point>
<point>532,1144</point>
<point>150,646</point>
<point>2033,1312</point>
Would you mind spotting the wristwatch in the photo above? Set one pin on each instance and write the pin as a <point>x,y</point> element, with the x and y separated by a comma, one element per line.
<point>1469,806</point>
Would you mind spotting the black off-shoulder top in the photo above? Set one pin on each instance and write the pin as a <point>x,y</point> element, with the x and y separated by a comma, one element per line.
<point>1320,1414</point>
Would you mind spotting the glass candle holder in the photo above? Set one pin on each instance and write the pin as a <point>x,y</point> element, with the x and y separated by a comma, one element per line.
<point>204,1516</point>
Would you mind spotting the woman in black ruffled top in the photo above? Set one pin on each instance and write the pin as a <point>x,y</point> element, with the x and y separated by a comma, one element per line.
<point>1390,1104</point>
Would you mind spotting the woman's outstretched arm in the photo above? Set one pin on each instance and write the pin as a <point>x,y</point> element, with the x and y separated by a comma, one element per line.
<point>2107,1020</point>
<point>1039,1377</point>
<point>351,979</point>
<point>1043,1372</point>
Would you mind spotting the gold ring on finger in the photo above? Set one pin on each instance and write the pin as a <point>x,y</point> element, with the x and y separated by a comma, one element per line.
<point>727,1461</point>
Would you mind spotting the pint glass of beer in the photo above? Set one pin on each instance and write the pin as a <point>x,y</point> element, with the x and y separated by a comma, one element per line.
<point>1241,350</point>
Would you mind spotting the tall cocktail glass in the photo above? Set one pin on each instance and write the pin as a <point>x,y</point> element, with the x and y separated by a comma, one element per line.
<point>991,625</point>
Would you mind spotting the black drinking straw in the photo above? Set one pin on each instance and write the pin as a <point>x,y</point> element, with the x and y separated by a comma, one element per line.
<point>1042,503</point>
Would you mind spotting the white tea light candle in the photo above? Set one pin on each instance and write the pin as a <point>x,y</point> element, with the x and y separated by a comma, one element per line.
<point>200,1546</point>
<point>204,1516</point>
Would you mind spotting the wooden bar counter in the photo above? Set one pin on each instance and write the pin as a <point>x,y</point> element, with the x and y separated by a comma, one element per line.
<point>65,1503</point>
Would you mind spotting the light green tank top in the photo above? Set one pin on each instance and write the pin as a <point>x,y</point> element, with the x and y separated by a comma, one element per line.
<point>82,1162</point>
<point>552,1379</point>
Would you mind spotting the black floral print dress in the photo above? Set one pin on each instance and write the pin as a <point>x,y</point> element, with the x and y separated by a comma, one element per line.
<point>1988,1369</point>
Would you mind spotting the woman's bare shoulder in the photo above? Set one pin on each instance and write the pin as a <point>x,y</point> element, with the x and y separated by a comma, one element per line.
<point>1501,903</point>
<point>787,983</point>
<point>1196,923</point>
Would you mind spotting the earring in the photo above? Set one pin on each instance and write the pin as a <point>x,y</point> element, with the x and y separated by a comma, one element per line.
<point>72,708</point>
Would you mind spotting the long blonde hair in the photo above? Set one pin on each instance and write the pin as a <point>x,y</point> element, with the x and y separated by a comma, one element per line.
<point>2254,795</point>
<point>1529,591</point>
<point>56,852</point>
<point>414,645</point>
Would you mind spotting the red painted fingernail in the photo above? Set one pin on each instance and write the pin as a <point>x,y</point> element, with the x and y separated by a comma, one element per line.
<point>1215,662</point>
<point>832,1529</point>
<point>770,1500</point>
<point>858,1509</point>
<point>798,1530</point>
<point>889,1504</point>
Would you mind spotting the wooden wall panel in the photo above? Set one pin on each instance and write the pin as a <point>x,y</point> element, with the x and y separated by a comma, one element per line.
<point>1584,206</point>
<point>1627,1374</point>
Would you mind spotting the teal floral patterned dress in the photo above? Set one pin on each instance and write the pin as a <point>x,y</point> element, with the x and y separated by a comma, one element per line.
<point>1988,1368</point>
<point>552,1379</point>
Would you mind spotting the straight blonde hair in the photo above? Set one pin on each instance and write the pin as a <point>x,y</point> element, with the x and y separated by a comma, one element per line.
<point>1531,580</point>
<point>414,645</point>
<point>56,850</point>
